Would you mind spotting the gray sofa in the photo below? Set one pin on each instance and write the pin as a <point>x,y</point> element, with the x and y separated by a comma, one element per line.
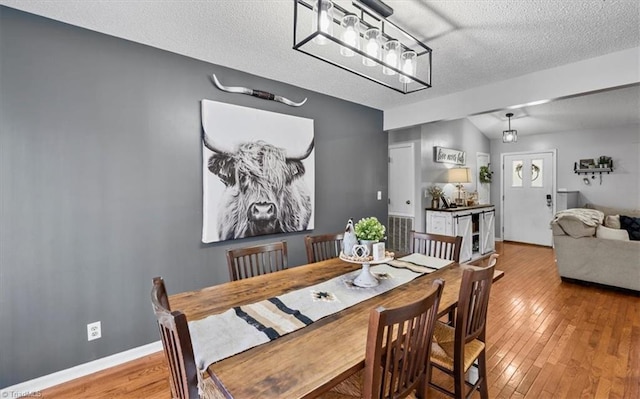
<point>582,254</point>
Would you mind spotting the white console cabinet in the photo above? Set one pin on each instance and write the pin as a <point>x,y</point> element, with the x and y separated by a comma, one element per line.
<point>476,225</point>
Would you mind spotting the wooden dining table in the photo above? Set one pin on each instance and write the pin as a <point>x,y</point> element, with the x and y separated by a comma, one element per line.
<point>311,360</point>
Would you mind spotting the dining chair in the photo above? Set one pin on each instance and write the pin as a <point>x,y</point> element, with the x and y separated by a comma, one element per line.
<point>436,245</point>
<point>322,247</point>
<point>176,342</point>
<point>493,259</point>
<point>397,351</point>
<point>457,348</point>
<point>254,261</point>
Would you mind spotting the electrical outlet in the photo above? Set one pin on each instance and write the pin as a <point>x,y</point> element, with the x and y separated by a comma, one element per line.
<point>379,195</point>
<point>94,331</point>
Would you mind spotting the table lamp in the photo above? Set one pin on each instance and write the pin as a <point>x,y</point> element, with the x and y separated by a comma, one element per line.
<point>459,176</point>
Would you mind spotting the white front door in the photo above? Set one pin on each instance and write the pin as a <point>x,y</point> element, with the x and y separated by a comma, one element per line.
<point>401,180</point>
<point>528,202</point>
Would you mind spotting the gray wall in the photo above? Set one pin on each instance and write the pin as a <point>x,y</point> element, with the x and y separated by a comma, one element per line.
<point>619,189</point>
<point>101,186</point>
<point>458,134</point>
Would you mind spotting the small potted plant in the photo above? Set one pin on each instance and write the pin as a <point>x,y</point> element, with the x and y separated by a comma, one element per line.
<point>604,161</point>
<point>435,192</point>
<point>369,231</point>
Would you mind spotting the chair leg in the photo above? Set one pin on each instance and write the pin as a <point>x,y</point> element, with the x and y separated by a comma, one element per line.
<point>459,384</point>
<point>423,387</point>
<point>482,375</point>
<point>452,317</point>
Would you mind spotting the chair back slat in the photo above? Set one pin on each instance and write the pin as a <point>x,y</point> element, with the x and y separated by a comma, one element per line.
<point>257,260</point>
<point>436,245</point>
<point>176,343</point>
<point>323,247</point>
<point>399,347</point>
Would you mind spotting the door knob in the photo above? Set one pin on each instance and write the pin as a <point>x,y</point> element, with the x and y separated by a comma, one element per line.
<point>549,200</point>
<point>408,202</point>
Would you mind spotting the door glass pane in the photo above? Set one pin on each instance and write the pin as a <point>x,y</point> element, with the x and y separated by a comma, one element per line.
<point>536,173</point>
<point>516,174</point>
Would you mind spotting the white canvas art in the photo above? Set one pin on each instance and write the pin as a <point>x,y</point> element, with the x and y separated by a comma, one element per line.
<point>258,172</point>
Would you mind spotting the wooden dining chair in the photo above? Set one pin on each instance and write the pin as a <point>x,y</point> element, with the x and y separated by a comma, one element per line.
<point>493,259</point>
<point>456,349</point>
<point>397,353</point>
<point>436,245</point>
<point>176,342</point>
<point>322,247</point>
<point>254,261</point>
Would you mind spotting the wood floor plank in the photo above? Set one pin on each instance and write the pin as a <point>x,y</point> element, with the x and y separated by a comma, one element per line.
<point>545,339</point>
<point>536,389</point>
<point>525,385</point>
<point>632,387</point>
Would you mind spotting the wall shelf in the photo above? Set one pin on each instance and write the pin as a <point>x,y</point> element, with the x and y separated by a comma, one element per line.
<point>593,171</point>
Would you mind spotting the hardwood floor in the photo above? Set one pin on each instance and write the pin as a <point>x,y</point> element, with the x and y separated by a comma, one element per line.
<point>546,339</point>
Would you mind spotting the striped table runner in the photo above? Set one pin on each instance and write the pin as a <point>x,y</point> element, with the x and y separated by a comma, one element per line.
<point>238,329</point>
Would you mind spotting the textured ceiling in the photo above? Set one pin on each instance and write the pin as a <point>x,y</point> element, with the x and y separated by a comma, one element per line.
<point>474,42</point>
<point>602,110</point>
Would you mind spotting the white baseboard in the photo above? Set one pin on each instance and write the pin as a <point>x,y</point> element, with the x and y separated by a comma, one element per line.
<point>35,386</point>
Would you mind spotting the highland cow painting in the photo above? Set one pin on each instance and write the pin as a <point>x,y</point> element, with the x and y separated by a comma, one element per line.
<point>258,172</point>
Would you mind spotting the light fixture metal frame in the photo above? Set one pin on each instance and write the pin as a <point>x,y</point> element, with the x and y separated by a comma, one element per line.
<point>509,133</point>
<point>422,51</point>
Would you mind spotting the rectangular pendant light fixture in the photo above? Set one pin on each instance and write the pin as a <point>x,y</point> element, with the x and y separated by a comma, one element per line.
<point>362,41</point>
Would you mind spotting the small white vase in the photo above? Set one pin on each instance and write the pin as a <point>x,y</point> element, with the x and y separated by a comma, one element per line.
<point>369,244</point>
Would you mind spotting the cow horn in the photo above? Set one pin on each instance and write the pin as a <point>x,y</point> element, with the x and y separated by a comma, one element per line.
<point>302,156</point>
<point>265,95</point>
<point>231,89</point>
<point>210,145</point>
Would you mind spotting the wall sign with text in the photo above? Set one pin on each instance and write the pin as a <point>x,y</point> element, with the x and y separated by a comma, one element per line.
<point>449,155</point>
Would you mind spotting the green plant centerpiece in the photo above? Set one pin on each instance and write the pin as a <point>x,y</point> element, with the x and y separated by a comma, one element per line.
<point>485,174</point>
<point>369,229</point>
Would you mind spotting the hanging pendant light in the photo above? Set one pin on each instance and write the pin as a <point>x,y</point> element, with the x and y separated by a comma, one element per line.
<point>358,37</point>
<point>391,56</point>
<point>324,20</point>
<point>408,65</point>
<point>373,46</point>
<point>509,136</point>
<point>351,36</point>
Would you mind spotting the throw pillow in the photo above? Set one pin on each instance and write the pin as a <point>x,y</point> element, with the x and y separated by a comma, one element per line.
<point>632,225</point>
<point>612,234</point>
<point>612,221</point>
